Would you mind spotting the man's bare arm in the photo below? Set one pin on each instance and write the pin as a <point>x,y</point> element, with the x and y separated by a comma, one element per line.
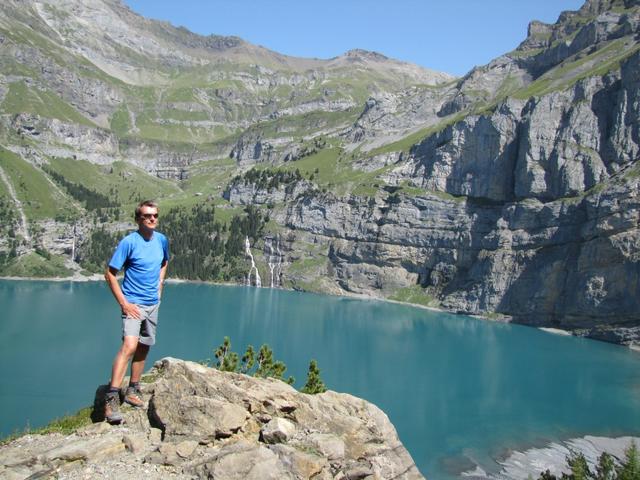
<point>128,309</point>
<point>163,273</point>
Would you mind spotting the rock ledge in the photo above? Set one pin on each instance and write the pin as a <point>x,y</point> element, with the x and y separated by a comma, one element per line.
<point>203,423</point>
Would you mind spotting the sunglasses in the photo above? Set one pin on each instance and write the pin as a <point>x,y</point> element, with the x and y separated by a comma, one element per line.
<point>148,216</point>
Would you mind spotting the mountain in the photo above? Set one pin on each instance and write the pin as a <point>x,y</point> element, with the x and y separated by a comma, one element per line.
<point>511,192</point>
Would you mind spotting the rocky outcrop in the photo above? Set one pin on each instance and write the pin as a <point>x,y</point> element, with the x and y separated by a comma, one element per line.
<point>596,22</point>
<point>203,423</point>
<point>248,194</point>
<point>555,146</point>
<point>56,138</point>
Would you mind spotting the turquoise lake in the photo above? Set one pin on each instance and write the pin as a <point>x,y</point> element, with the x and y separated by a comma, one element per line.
<point>459,390</point>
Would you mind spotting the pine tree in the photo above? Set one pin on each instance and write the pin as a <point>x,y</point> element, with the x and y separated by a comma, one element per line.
<point>268,367</point>
<point>314,382</point>
<point>227,359</point>
<point>606,468</point>
<point>579,467</point>
<point>265,361</point>
<point>630,469</point>
<point>248,360</point>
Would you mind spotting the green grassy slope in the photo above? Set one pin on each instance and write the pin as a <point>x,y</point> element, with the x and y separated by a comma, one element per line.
<point>40,199</point>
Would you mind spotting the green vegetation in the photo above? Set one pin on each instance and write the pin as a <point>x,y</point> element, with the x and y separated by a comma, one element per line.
<point>120,183</point>
<point>263,365</point>
<point>606,469</point>
<point>8,217</point>
<point>529,52</point>
<point>28,36</point>
<point>92,200</point>
<point>314,383</point>
<point>121,122</point>
<point>38,264</point>
<point>202,246</point>
<point>306,265</point>
<point>39,198</point>
<point>415,295</point>
<point>268,179</point>
<point>67,424</point>
<point>64,425</point>
<point>152,126</point>
<point>94,255</point>
<point>323,165</point>
<point>206,179</point>
<point>22,99</point>
<point>303,124</point>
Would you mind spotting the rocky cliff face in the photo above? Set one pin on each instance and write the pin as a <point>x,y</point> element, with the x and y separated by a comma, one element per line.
<point>533,211</point>
<point>202,423</point>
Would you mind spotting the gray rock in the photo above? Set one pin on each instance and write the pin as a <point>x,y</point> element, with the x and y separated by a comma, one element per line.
<point>278,430</point>
<point>92,449</point>
<point>135,443</point>
<point>244,461</point>
<point>186,448</point>
<point>327,444</point>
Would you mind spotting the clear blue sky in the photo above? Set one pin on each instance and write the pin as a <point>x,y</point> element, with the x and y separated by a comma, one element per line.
<point>446,35</point>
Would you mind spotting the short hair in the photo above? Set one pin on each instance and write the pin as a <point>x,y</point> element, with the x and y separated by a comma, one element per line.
<point>145,203</point>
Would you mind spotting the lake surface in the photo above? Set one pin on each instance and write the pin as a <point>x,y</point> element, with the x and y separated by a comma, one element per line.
<point>460,391</point>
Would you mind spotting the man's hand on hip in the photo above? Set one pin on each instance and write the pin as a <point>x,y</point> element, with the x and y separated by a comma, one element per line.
<point>131,310</point>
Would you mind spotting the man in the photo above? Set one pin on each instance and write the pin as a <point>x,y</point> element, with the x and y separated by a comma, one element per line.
<point>144,255</point>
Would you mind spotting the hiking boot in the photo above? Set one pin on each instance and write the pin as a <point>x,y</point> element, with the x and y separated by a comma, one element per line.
<point>134,397</point>
<point>112,408</point>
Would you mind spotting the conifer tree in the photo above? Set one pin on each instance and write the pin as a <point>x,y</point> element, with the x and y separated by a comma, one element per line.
<point>630,469</point>
<point>265,361</point>
<point>268,367</point>
<point>606,468</point>
<point>227,359</point>
<point>579,467</point>
<point>248,360</point>
<point>314,382</point>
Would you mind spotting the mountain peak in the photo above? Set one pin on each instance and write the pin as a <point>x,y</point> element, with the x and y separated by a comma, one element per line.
<point>358,53</point>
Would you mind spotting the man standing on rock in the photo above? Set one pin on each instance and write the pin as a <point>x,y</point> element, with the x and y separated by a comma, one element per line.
<point>144,255</point>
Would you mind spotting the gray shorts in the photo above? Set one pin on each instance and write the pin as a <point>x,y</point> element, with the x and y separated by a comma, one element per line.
<point>145,327</point>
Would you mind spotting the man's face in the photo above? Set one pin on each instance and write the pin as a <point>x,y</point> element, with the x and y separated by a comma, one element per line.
<point>148,217</point>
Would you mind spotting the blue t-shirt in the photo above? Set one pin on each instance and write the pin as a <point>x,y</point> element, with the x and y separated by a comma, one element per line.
<point>142,260</point>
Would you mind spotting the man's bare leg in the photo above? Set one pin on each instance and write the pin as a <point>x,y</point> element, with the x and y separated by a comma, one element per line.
<point>121,361</point>
<point>137,365</point>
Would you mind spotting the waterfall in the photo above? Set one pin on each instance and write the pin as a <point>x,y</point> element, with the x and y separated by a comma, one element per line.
<point>274,259</point>
<point>73,244</point>
<point>247,251</point>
